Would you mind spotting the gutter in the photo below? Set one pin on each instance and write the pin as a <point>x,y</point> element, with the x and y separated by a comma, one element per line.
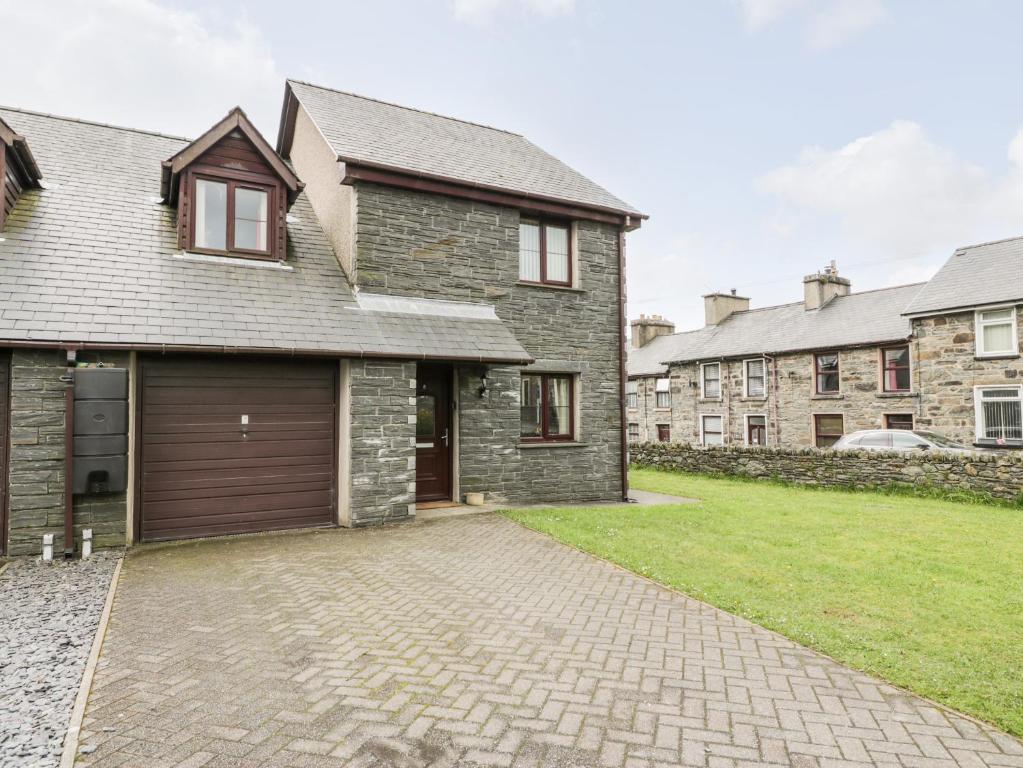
<point>622,376</point>
<point>79,346</point>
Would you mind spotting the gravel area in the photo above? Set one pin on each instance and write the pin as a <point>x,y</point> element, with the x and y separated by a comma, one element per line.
<point>48,618</point>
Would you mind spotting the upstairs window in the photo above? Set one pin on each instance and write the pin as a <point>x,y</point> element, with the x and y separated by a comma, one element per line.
<point>632,394</point>
<point>663,389</point>
<point>545,253</point>
<point>710,381</point>
<point>827,375</point>
<point>547,408</point>
<point>231,217</point>
<point>756,377</point>
<point>996,332</point>
<point>895,362</point>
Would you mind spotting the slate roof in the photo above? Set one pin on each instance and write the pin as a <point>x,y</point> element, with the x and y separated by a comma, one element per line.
<point>869,317</point>
<point>93,257</point>
<point>375,132</point>
<point>988,273</point>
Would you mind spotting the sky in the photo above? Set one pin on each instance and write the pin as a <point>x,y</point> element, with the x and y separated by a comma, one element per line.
<point>764,138</point>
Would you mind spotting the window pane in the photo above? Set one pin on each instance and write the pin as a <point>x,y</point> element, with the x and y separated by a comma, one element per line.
<point>663,385</point>
<point>906,440</point>
<point>754,378</point>
<point>712,430</point>
<point>996,314</point>
<point>1003,420</point>
<point>828,428</point>
<point>529,251</point>
<point>827,382</point>
<point>210,214</point>
<point>896,357</point>
<point>250,223</point>
<point>557,254</point>
<point>876,440</point>
<point>997,338</point>
<point>559,407</point>
<point>712,380</point>
<point>899,421</point>
<point>530,421</point>
<point>426,415</point>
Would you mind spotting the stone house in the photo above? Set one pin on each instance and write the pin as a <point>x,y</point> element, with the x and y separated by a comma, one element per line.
<point>942,356</point>
<point>389,308</point>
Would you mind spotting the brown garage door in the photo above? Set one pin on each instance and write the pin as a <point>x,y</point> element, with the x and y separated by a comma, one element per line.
<point>232,445</point>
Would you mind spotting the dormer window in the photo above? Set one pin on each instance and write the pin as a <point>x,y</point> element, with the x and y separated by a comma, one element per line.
<point>231,217</point>
<point>232,192</point>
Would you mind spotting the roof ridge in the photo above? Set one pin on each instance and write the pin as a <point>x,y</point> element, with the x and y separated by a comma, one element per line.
<point>83,121</point>
<point>847,296</point>
<point>964,248</point>
<point>403,106</point>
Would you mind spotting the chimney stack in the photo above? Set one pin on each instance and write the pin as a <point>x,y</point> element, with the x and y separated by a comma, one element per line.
<point>822,287</point>
<point>718,306</point>
<point>646,329</point>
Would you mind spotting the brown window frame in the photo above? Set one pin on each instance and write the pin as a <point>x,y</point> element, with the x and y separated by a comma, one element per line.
<point>545,437</point>
<point>837,373</point>
<point>886,369</point>
<point>543,223</point>
<point>234,183</point>
<point>888,420</point>
<point>664,433</point>
<point>817,434</point>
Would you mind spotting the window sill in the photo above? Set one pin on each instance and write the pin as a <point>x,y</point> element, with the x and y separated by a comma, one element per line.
<point>997,356</point>
<point>233,261</point>
<point>553,444</point>
<point>710,400</point>
<point>836,396</point>
<point>569,288</point>
<point>666,408</point>
<point>907,393</point>
<point>753,399</point>
<point>1011,445</point>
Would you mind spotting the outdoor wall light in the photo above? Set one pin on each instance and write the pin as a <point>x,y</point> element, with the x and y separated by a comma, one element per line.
<point>483,383</point>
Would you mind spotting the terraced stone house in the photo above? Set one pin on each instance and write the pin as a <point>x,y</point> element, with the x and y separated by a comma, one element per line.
<point>389,308</point>
<point>942,356</point>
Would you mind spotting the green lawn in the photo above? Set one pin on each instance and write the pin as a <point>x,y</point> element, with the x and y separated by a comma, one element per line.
<point>927,594</point>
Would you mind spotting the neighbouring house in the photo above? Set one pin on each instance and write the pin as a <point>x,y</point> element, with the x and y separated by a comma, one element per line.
<point>942,355</point>
<point>214,336</point>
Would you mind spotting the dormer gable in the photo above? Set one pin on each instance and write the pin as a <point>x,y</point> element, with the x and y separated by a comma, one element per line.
<point>18,170</point>
<point>232,192</point>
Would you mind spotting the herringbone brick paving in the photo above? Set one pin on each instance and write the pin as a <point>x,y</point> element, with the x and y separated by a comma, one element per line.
<point>472,641</point>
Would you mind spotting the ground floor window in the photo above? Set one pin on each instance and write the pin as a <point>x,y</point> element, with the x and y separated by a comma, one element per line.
<point>827,428</point>
<point>633,433</point>
<point>756,430</point>
<point>712,430</point>
<point>663,433</point>
<point>546,407</point>
<point>999,414</point>
<point>898,421</point>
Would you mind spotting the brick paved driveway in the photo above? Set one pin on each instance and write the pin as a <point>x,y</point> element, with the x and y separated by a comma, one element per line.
<point>471,641</point>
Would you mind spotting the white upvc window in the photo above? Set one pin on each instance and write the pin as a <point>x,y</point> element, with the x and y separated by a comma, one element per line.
<point>632,394</point>
<point>754,374</point>
<point>999,414</point>
<point>996,332</point>
<point>710,381</point>
<point>712,430</point>
<point>662,388</point>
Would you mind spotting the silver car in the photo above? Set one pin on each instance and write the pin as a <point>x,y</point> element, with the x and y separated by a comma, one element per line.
<point>899,440</point>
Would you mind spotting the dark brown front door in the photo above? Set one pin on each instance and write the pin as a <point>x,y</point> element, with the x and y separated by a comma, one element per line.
<point>232,445</point>
<point>433,433</point>
<point>5,374</point>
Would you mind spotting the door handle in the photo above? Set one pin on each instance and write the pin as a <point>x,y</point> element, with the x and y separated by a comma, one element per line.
<point>444,437</point>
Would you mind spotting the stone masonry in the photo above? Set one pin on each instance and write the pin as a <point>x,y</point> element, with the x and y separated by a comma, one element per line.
<point>383,439</point>
<point>425,245</point>
<point>36,472</point>
<point>949,370</point>
<point>997,474</point>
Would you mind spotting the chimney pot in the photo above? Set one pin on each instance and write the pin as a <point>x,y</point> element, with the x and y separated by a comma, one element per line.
<point>822,287</point>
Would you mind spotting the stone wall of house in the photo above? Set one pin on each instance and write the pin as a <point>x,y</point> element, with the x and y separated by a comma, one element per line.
<point>997,474</point>
<point>425,245</point>
<point>646,414</point>
<point>790,403</point>
<point>36,464</point>
<point>949,370</point>
<point>383,441</point>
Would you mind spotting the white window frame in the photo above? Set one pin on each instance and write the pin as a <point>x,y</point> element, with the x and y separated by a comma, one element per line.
<point>978,328</point>
<point>745,377</point>
<point>978,410</point>
<point>745,427</point>
<point>658,390</point>
<point>724,433</point>
<point>703,381</point>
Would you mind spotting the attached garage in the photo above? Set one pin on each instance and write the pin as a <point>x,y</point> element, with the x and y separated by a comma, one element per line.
<point>235,445</point>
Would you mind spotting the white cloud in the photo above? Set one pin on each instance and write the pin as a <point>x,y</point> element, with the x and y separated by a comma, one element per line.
<point>825,23</point>
<point>484,11</point>
<point>899,192</point>
<point>137,63</point>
